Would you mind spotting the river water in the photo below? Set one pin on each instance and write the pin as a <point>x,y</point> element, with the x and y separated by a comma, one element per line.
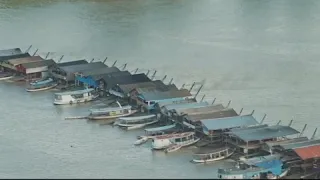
<point>262,55</point>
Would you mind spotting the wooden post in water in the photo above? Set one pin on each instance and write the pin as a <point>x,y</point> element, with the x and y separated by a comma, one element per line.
<point>154,74</point>
<point>290,123</point>
<point>164,78</point>
<point>203,97</point>
<point>304,128</point>
<point>35,52</point>
<point>252,112</point>
<point>240,111</point>
<point>314,133</point>
<point>124,66</point>
<point>92,60</point>
<point>47,55</point>
<point>61,58</point>
<point>198,91</point>
<point>228,104</point>
<point>115,62</point>
<point>192,86</point>
<point>104,61</point>
<point>264,117</point>
<point>28,49</point>
<point>213,101</point>
<point>171,81</point>
<point>182,86</point>
<point>147,72</point>
<point>279,122</point>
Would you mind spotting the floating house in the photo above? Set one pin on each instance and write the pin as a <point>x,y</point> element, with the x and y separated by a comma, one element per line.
<point>148,99</point>
<point>87,77</point>
<point>250,140</point>
<point>16,64</point>
<point>65,74</point>
<point>36,70</point>
<point>5,55</point>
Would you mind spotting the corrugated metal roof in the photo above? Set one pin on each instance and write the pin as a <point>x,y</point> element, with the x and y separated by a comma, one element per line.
<point>18,61</point>
<point>201,109</point>
<point>160,87</point>
<point>126,88</point>
<point>71,63</point>
<point>99,71</point>
<point>82,67</point>
<point>300,144</point>
<point>181,106</point>
<point>308,152</point>
<point>229,122</point>
<point>38,64</point>
<point>110,75</point>
<point>264,132</point>
<point>112,80</point>
<point>159,95</point>
<point>278,143</point>
<point>5,58</point>
<point>212,115</point>
<point>183,101</point>
<point>10,52</point>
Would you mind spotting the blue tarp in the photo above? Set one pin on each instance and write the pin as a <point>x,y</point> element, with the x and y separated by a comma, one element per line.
<point>275,166</point>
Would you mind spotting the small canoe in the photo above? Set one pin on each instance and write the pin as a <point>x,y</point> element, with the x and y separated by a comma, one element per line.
<point>104,117</point>
<point>172,148</point>
<point>138,126</point>
<point>42,88</point>
<point>141,141</point>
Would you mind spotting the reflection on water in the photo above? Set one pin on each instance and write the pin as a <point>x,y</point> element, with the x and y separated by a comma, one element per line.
<point>262,55</point>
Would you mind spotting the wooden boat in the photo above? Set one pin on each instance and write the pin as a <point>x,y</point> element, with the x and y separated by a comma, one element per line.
<point>42,85</point>
<point>75,97</point>
<point>207,154</point>
<point>165,141</point>
<point>111,113</point>
<point>152,132</point>
<point>5,75</point>
<point>136,122</point>
<point>172,148</point>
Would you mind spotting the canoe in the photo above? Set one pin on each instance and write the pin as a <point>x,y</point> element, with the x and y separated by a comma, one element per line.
<point>141,140</point>
<point>172,148</point>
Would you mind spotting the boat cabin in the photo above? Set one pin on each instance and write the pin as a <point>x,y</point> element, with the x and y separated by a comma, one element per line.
<point>249,140</point>
<point>86,77</point>
<point>148,99</point>
<point>65,74</point>
<point>74,96</point>
<point>165,141</point>
<point>212,154</point>
<point>161,130</point>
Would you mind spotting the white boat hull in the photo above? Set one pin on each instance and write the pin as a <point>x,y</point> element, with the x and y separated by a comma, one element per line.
<point>173,148</point>
<point>41,89</point>
<point>102,117</point>
<point>212,160</point>
<point>182,145</point>
<point>76,101</point>
<point>136,126</point>
<point>141,141</point>
<point>5,78</point>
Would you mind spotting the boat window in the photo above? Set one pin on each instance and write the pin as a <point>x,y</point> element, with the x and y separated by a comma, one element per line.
<point>77,96</point>
<point>57,97</point>
<point>184,139</point>
<point>222,153</point>
<point>178,140</point>
<point>152,102</point>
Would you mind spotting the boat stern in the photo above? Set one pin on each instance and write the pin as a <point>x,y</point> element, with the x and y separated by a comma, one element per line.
<point>160,143</point>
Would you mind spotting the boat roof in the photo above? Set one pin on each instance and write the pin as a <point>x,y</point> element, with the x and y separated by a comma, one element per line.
<point>300,144</point>
<point>5,58</point>
<point>126,88</point>
<point>182,101</point>
<point>229,122</point>
<point>10,52</point>
<point>201,109</point>
<point>72,63</point>
<point>308,152</point>
<point>210,150</point>
<point>98,71</point>
<point>162,128</point>
<point>159,95</point>
<point>164,87</point>
<point>82,67</point>
<point>287,141</point>
<point>23,60</point>
<point>211,115</point>
<point>37,64</point>
<point>75,92</point>
<point>185,105</point>
<point>114,80</point>
<point>260,159</point>
<point>177,135</point>
<point>263,132</point>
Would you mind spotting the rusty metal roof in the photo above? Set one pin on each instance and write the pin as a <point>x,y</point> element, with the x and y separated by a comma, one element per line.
<point>308,152</point>
<point>37,64</point>
<point>212,115</point>
<point>23,60</point>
